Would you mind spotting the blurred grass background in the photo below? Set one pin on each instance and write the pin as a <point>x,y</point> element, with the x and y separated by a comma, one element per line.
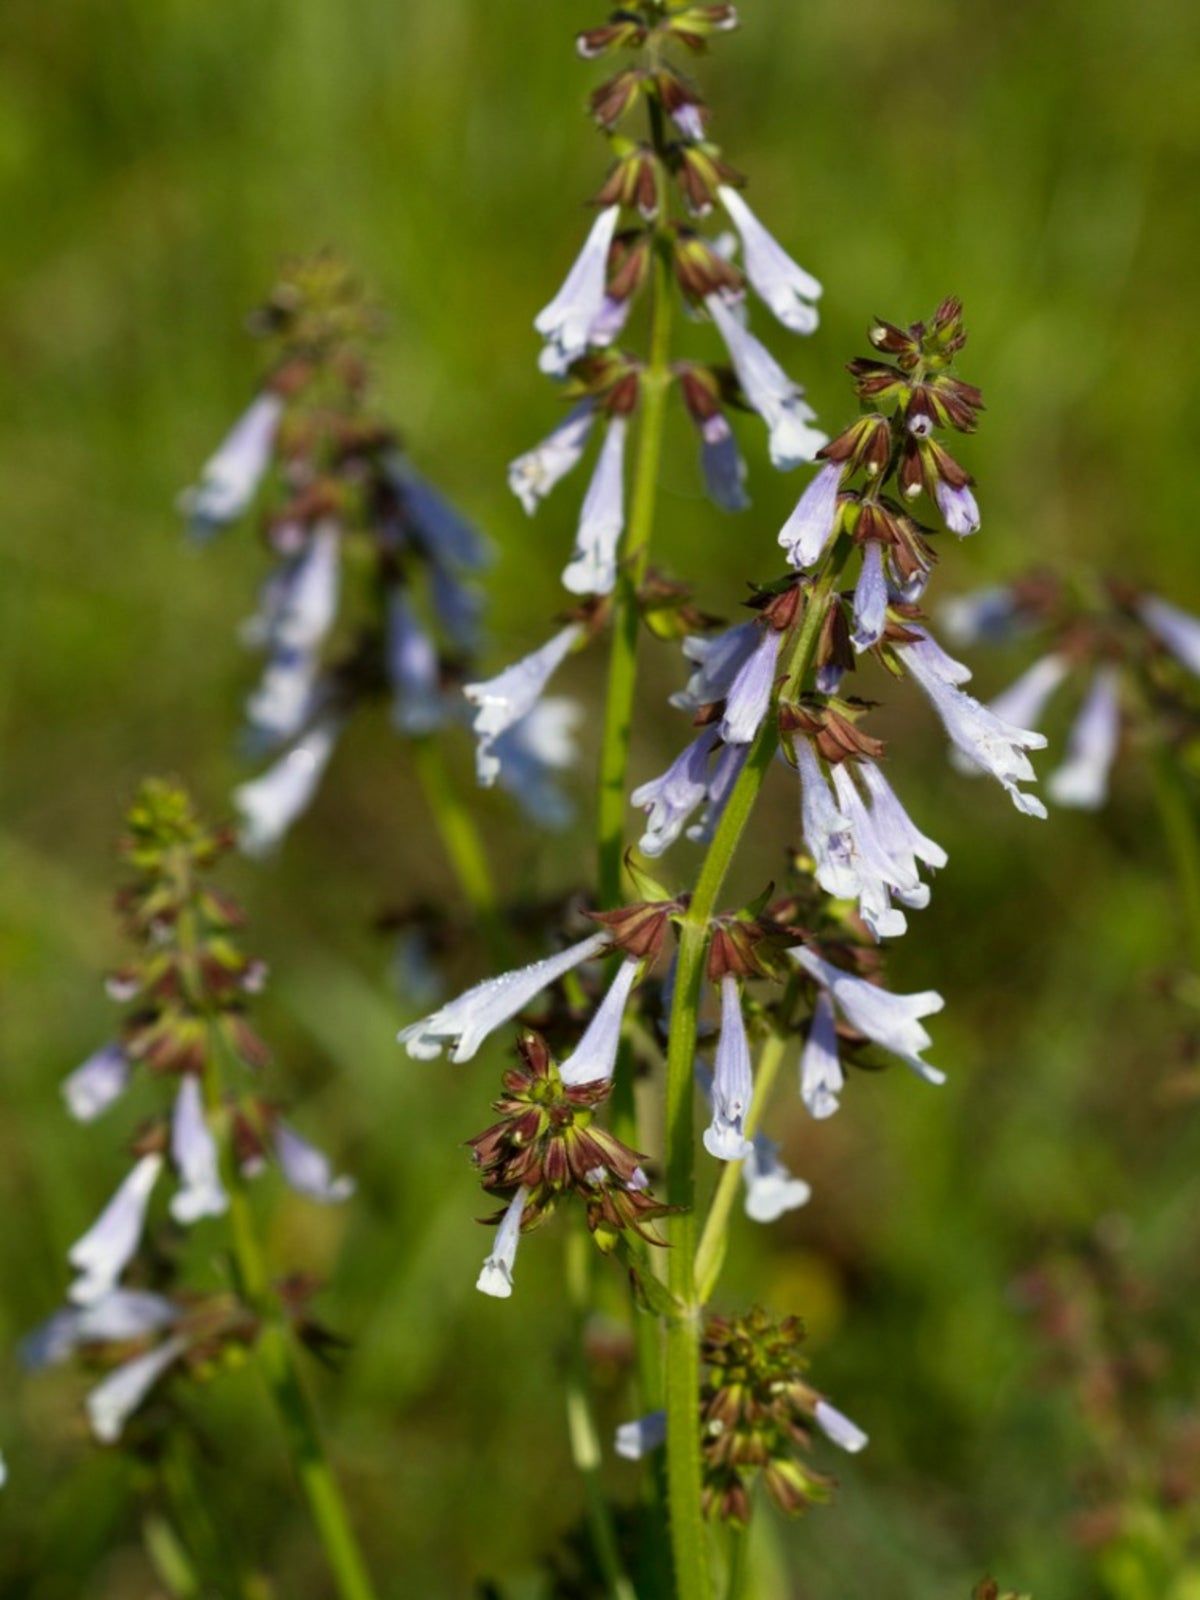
<point>157,159</point>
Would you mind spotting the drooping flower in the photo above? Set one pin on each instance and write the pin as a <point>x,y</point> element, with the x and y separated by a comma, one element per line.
<point>532,751</point>
<point>639,1438</point>
<point>985,615</point>
<point>928,653</point>
<point>119,1317</point>
<point>595,1056</point>
<point>771,1190</point>
<point>496,1274</point>
<point>306,1169</point>
<point>880,874</point>
<point>718,659</point>
<point>670,800</point>
<point>870,599</point>
<point>722,464</point>
<point>1025,700</point>
<point>465,1023</point>
<point>733,1083</point>
<point>726,770</point>
<point>1178,630</point>
<point>592,568</point>
<point>779,282</point>
<point>97,1084</point>
<point>749,694</point>
<point>503,701</point>
<point>889,1020</point>
<point>838,1428</point>
<point>1082,779</point>
<point>418,706</point>
<point>104,1251</point>
<point>901,837</point>
<point>997,746</point>
<point>769,390</point>
<point>821,1077</point>
<point>828,836</point>
<point>447,537</point>
<point>958,506</point>
<point>113,1401</point>
<point>307,601</point>
<point>566,321</point>
<point>532,476</point>
<point>194,1152</point>
<point>283,701</point>
<point>459,610</point>
<point>269,804</point>
<point>231,477</point>
<point>808,530</point>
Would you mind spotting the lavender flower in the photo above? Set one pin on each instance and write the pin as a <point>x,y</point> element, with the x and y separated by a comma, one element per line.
<point>828,836</point>
<point>636,1439</point>
<point>465,1023</point>
<point>722,464</point>
<point>808,530</point>
<point>595,1056</point>
<point>592,568</point>
<point>566,322</point>
<point>1178,630</point>
<point>771,1190</point>
<point>417,707</point>
<point>496,1274</point>
<point>231,478</point>
<point>958,507</point>
<point>996,746</point>
<point>1025,700</point>
<point>782,285</point>
<point>671,799</point>
<point>308,1170</point>
<point>821,1077</point>
<point>269,804</point>
<point>870,599</point>
<point>97,1084</point>
<point>306,603</point>
<point>112,1402</point>
<point>733,1083</point>
<point>718,660</point>
<point>503,701</point>
<point>445,535</point>
<point>984,615</point>
<point>119,1317</point>
<point>750,692</point>
<point>726,770</point>
<point>1082,779</point>
<point>531,751</point>
<point>194,1152</point>
<point>105,1250</point>
<point>769,390</point>
<point>838,1428</point>
<point>901,837</point>
<point>888,1020</point>
<point>282,703</point>
<point>532,476</point>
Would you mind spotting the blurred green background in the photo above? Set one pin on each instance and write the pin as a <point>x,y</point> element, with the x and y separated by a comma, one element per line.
<point>157,159</point>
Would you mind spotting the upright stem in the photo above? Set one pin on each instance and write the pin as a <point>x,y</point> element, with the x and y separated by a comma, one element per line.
<point>460,839</point>
<point>693,1575</point>
<point>622,667</point>
<point>1177,812</point>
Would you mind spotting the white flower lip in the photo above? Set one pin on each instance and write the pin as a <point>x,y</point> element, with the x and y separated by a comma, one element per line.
<point>496,1274</point>
<point>592,568</point>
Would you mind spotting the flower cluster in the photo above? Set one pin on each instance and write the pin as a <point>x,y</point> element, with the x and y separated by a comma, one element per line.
<point>372,594</point>
<point>1139,655</point>
<point>756,1412</point>
<point>186,994</point>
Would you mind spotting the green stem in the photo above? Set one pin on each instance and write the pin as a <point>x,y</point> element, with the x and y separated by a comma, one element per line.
<point>169,1558</point>
<point>581,1424</point>
<point>460,839</point>
<point>1177,812</point>
<point>710,1252</point>
<point>739,1563</point>
<point>692,1571</point>
<point>635,550</point>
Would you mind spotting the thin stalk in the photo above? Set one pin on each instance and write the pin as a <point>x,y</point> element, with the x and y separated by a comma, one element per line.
<point>710,1253</point>
<point>739,1563</point>
<point>460,839</point>
<point>581,1424</point>
<point>169,1558</point>
<point>693,1575</point>
<point>1177,813</point>
<point>635,551</point>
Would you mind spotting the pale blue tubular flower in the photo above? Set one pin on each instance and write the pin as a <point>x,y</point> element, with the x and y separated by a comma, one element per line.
<point>533,751</point>
<point>959,508</point>
<point>592,568</point>
<point>283,701</point>
<point>992,744</point>
<point>595,1056</point>
<point>463,1024</point>
<point>988,615</point>
<point>194,1154</point>
<point>779,282</point>
<point>496,1274</point>
<point>120,1317</point>
<point>458,608</point>
<point>771,1190</point>
<point>1024,701</point>
<point>306,1169</point>
<point>733,1083</point>
<point>114,1400</point>
<point>870,599</point>
<point>1178,630</point>
<point>889,1020</point>
<point>418,705</point>
<point>838,1428</point>
<point>532,476</point>
<point>231,478</point>
<point>505,700</point>
<point>880,876</point>
<point>722,464</point>
<point>769,391</point>
<point>901,837</point>
<point>718,659</point>
<point>670,800</point>
<point>828,835</point>
<point>451,542</point>
<point>807,532</point>
<point>98,1083</point>
<point>749,695</point>
<point>106,1249</point>
<point>726,770</point>
<point>639,1438</point>
<point>928,653</point>
<point>270,803</point>
<point>305,603</point>
<point>821,1077</point>
<point>1082,779</point>
<point>566,323</point>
